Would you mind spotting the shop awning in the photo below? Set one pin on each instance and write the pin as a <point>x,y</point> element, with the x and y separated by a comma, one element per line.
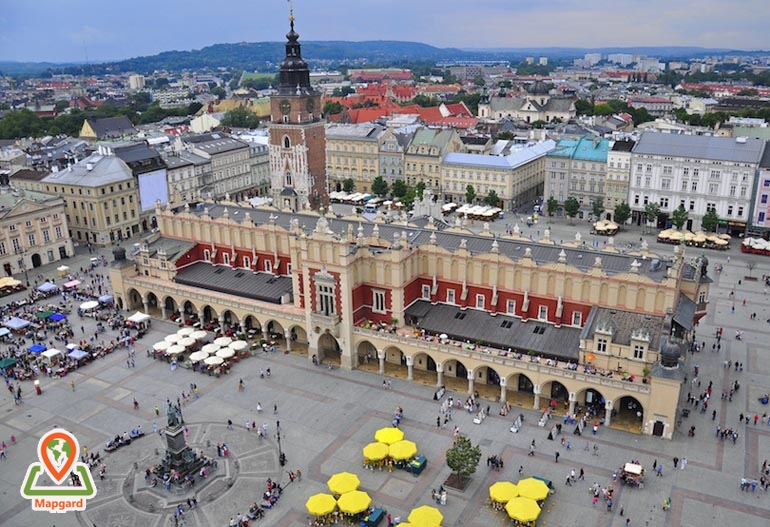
<point>16,323</point>
<point>36,348</point>
<point>56,317</point>
<point>71,284</point>
<point>139,317</point>
<point>47,287</point>
<point>77,354</point>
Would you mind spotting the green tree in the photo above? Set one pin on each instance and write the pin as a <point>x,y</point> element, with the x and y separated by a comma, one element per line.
<point>479,81</point>
<point>552,205</point>
<point>463,458</point>
<point>539,124</point>
<point>651,213</point>
<point>425,101</point>
<point>710,220</point>
<point>597,208</point>
<point>679,217</point>
<point>348,185</point>
<point>399,188</point>
<point>419,189</point>
<point>505,135</point>
<point>584,107</point>
<point>571,207</point>
<point>408,199</point>
<point>342,91</point>
<point>748,92</point>
<point>332,108</point>
<point>240,117</point>
<point>492,199</point>
<point>470,194</point>
<point>622,213</point>
<point>219,92</point>
<point>379,186</point>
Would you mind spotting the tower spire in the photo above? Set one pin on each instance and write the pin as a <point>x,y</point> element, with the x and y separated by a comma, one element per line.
<point>291,14</point>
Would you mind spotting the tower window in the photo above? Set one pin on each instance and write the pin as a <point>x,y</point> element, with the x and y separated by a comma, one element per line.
<point>288,179</point>
<point>286,142</point>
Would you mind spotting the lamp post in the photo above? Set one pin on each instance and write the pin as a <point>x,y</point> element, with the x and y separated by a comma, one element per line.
<point>281,455</point>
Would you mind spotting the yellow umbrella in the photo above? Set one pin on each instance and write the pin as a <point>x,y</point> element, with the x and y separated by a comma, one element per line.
<point>376,451</point>
<point>426,516</point>
<point>533,489</point>
<point>676,235</point>
<point>403,449</point>
<point>354,502</point>
<point>523,509</point>
<point>503,491</point>
<point>388,435</point>
<point>343,482</point>
<point>320,504</point>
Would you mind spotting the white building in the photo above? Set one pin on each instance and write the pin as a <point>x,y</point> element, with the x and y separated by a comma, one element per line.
<point>697,172</point>
<point>136,82</point>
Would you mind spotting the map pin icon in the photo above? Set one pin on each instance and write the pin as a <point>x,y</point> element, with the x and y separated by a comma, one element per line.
<point>58,450</point>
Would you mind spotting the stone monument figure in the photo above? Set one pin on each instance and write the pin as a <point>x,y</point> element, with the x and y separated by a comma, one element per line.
<point>173,420</point>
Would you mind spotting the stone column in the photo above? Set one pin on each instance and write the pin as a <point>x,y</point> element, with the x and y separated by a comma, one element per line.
<point>181,317</point>
<point>470,382</point>
<point>607,413</point>
<point>439,374</point>
<point>163,313</point>
<point>200,317</point>
<point>536,389</point>
<point>503,390</point>
<point>409,368</point>
<point>287,338</point>
<point>146,303</point>
<point>572,401</point>
<point>381,359</point>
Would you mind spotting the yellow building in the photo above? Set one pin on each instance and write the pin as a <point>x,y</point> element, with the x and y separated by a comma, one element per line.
<point>352,151</point>
<point>423,156</point>
<point>618,172</point>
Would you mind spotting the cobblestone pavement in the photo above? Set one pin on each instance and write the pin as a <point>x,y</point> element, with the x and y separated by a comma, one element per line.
<point>328,416</point>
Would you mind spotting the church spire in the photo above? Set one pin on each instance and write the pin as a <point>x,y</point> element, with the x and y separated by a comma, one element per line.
<point>294,73</point>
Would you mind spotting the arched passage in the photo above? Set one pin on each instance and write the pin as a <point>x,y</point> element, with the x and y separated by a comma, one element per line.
<point>395,362</point>
<point>329,349</point>
<point>153,306</point>
<point>298,338</point>
<point>519,390</point>
<point>171,308</point>
<point>229,321</point>
<point>134,300</point>
<point>190,312</point>
<point>628,414</point>
<point>210,319</point>
<point>367,356</point>
<point>455,376</point>
<point>424,370</point>
<point>556,394</point>
<point>487,382</point>
<point>252,326</point>
<point>591,403</point>
<point>274,330</point>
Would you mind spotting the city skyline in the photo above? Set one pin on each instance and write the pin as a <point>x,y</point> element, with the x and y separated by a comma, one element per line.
<point>34,31</point>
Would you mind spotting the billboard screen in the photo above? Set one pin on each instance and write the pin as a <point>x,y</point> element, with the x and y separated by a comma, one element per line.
<point>153,187</point>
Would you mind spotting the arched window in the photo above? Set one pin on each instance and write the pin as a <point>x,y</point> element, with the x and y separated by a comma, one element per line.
<point>286,142</point>
<point>288,179</point>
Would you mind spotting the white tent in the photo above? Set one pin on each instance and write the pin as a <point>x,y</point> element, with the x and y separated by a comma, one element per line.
<point>139,317</point>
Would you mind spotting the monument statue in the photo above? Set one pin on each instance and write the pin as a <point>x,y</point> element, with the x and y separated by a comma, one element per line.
<point>173,420</point>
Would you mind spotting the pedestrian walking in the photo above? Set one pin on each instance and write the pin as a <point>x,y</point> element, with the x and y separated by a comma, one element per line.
<point>684,462</point>
<point>660,471</point>
<point>676,461</point>
<point>568,481</point>
<point>275,409</point>
<point>72,384</point>
<point>521,470</point>
<point>157,410</point>
<point>556,455</point>
<point>582,474</point>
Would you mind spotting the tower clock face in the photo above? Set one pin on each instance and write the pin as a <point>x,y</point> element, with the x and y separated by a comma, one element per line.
<point>310,105</point>
<point>284,106</point>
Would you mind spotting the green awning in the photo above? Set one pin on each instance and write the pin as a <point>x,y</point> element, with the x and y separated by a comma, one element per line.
<point>7,363</point>
<point>44,314</point>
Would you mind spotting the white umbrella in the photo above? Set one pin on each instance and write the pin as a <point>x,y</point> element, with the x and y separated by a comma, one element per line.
<point>199,335</point>
<point>443,336</point>
<point>239,345</point>
<point>199,356</point>
<point>176,349</point>
<point>213,361</point>
<point>172,339</point>
<point>185,331</point>
<point>187,342</point>
<point>223,341</point>
<point>210,348</point>
<point>225,353</point>
<point>88,306</point>
<point>161,346</point>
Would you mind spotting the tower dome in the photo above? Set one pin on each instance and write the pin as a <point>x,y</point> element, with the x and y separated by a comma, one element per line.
<point>294,73</point>
<point>538,88</point>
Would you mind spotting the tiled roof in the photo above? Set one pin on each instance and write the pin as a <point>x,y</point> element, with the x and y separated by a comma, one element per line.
<point>265,287</point>
<point>500,331</point>
<point>700,147</point>
<point>112,126</point>
<point>623,325</point>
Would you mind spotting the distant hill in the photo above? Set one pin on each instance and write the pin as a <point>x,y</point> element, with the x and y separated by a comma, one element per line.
<point>265,56</point>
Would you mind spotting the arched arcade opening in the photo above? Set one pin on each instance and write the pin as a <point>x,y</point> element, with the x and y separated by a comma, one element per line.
<point>628,414</point>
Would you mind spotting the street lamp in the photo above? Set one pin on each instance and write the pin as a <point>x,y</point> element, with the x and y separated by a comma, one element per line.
<point>281,455</point>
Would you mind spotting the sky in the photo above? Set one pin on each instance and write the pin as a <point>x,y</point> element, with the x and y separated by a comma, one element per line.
<point>97,31</point>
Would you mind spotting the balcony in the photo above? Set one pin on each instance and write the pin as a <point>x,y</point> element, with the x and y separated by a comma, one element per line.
<point>320,323</point>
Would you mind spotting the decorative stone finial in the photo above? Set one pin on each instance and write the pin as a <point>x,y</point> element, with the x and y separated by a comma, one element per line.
<point>225,213</point>
<point>598,262</point>
<point>528,252</point>
<point>433,238</point>
<point>463,244</point>
<point>495,247</point>
<point>635,265</point>
<point>562,257</point>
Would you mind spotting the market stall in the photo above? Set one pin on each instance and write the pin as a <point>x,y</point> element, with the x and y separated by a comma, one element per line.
<point>632,475</point>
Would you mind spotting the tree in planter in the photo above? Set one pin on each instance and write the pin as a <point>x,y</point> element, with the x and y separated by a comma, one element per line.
<point>651,213</point>
<point>348,185</point>
<point>597,208</point>
<point>571,207</point>
<point>470,194</point>
<point>379,186</point>
<point>463,458</point>
<point>552,205</point>
<point>622,213</point>
<point>679,217</point>
<point>710,220</point>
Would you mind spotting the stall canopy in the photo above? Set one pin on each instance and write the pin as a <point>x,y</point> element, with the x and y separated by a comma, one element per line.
<point>139,317</point>
<point>56,317</point>
<point>4,332</point>
<point>16,323</point>
<point>106,299</point>
<point>77,354</point>
<point>51,353</point>
<point>88,306</point>
<point>47,287</point>
<point>42,315</point>
<point>36,348</point>
<point>71,284</point>
<point>7,363</point>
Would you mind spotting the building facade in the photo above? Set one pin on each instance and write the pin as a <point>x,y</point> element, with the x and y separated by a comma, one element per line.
<point>352,151</point>
<point>618,172</point>
<point>577,168</point>
<point>425,153</point>
<point>33,231</point>
<point>696,172</point>
<point>230,161</point>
